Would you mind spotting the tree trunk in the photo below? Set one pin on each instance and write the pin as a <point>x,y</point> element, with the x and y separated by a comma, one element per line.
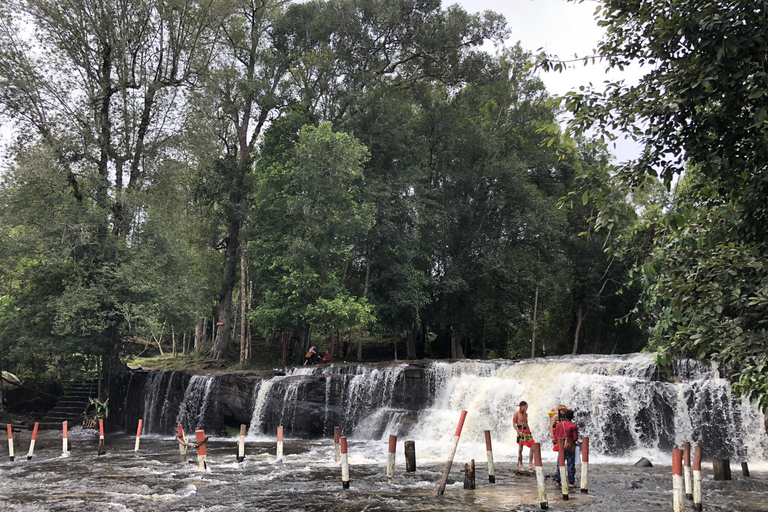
<point>249,346</point>
<point>235,318</point>
<point>242,306</point>
<point>410,344</point>
<point>286,340</point>
<point>579,318</point>
<point>173,341</point>
<point>456,352</point>
<point>533,334</point>
<point>482,341</point>
<point>199,335</point>
<point>360,332</point>
<point>365,295</point>
<point>307,338</point>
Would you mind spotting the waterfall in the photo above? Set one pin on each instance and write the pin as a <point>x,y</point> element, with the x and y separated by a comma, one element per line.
<point>158,416</point>
<point>196,404</point>
<point>626,405</point>
<point>622,403</point>
<point>363,389</point>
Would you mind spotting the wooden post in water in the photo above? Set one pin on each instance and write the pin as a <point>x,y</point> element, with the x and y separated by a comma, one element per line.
<point>102,446</point>
<point>11,453</point>
<point>744,469</point>
<point>456,437</point>
<point>584,463</point>
<point>563,469</point>
<point>697,478</point>
<point>469,475</point>
<point>202,457</point>
<point>687,474</point>
<point>336,446</point>
<point>540,476</point>
<point>678,497</point>
<point>279,452</point>
<point>138,436</point>
<point>64,440</point>
<point>391,457</point>
<point>410,456</point>
<point>182,439</point>
<point>241,445</point>
<point>722,469</point>
<point>489,452</point>
<point>32,442</point>
<point>344,463</point>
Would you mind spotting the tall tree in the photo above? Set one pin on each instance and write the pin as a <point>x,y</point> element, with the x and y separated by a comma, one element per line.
<point>701,105</point>
<point>96,86</point>
<point>310,215</point>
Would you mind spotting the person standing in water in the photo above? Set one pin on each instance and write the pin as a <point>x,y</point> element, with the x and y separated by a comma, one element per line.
<point>524,437</point>
<point>569,432</point>
<point>555,417</point>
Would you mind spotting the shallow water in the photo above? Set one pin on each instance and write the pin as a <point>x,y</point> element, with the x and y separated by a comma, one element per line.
<point>309,480</point>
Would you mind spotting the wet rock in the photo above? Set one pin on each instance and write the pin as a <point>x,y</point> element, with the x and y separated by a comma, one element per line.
<point>643,463</point>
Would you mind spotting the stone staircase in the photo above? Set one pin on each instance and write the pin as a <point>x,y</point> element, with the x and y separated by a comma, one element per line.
<point>70,406</point>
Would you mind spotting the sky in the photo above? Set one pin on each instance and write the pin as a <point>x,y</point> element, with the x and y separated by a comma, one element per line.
<point>564,29</point>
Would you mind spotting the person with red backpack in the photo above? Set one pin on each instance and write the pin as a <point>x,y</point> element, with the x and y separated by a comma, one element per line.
<point>567,430</point>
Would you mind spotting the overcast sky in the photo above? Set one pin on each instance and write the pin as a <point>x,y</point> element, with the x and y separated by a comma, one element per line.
<point>561,28</point>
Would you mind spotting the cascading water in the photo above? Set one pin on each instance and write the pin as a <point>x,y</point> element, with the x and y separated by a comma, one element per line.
<point>350,392</point>
<point>159,413</point>
<point>621,402</point>
<point>625,404</point>
<point>197,404</point>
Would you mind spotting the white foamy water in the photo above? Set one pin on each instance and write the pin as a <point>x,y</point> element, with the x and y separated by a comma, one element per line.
<point>626,413</point>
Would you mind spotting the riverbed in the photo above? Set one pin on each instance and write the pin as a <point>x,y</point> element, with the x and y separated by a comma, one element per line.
<point>309,480</point>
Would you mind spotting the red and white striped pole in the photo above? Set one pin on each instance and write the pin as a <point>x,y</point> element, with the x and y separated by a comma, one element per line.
<point>202,458</point>
<point>241,445</point>
<point>456,436</point>
<point>138,436</point>
<point>391,457</point>
<point>563,469</point>
<point>677,480</point>
<point>279,453</point>
<point>336,448</point>
<point>10,443</point>
<point>687,475</point>
<point>102,446</point>
<point>344,463</point>
<point>489,451</point>
<point>540,476</point>
<point>64,440</point>
<point>697,478</point>
<point>32,442</point>
<point>584,463</point>
<point>182,441</point>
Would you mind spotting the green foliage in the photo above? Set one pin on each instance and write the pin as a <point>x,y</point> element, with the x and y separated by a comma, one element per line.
<point>310,214</point>
<point>378,170</point>
<point>701,108</point>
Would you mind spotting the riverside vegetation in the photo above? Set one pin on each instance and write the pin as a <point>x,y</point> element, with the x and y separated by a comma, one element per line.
<point>240,180</point>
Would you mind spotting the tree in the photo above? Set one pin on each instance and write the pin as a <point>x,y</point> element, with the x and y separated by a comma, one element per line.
<point>309,216</point>
<point>320,58</point>
<point>242,90</point>
<point>701,106</point>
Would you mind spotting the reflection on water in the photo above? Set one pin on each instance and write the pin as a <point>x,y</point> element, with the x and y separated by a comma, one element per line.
<point>156,479</point>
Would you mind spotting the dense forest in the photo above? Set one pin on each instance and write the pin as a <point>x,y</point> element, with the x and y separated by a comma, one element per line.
<point>243,179</point>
